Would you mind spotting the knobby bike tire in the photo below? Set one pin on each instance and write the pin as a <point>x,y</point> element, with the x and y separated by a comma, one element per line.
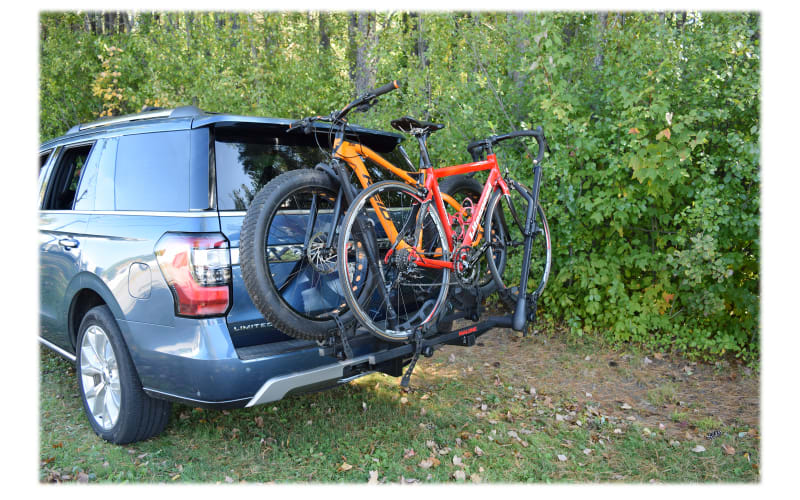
<point>288,303</point>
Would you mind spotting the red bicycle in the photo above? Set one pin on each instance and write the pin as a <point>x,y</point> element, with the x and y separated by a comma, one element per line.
<point>416,266</point>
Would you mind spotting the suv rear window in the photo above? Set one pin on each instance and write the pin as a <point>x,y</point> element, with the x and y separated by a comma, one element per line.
<point>244,166</point>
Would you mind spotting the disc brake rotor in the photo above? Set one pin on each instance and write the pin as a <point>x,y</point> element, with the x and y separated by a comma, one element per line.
<point>322,259</point>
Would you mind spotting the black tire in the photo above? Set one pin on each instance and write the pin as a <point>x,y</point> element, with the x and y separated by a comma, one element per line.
<point>415,295</point>
<point>281,308</point>
<point>541,251</point>
<point>461,187</point>
<point>140,417</point>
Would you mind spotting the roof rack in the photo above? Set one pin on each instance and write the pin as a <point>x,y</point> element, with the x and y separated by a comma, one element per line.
<point>182,111</point>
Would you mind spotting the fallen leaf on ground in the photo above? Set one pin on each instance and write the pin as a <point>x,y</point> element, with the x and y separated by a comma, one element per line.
<point>408,453</point>
<point>403,400</point>
<point>459,475</point>
<point>587,451</point>
<point>729,450</point>
<point>457,461</point>
<point>475,478</point>
<point>699,449</point>
<point>626,406</point>
<point>228,479</point>
<point>562,458</point>
<point>478,451</point>
<point>344,467</point>
<point>259,422</point>
<point>373,477</point>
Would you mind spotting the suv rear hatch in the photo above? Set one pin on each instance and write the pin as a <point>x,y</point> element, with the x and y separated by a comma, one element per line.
<point>247,153</point>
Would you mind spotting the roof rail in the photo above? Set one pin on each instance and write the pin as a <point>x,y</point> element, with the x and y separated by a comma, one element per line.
<point>183,111</point>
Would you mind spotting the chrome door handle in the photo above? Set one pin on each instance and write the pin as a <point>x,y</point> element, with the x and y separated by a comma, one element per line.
<point>68,243</point>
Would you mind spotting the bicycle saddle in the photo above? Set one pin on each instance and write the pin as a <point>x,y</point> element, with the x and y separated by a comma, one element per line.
<point>415,127</point>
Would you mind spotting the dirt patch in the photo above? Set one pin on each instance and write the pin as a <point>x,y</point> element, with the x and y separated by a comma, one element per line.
<point>656,390</point>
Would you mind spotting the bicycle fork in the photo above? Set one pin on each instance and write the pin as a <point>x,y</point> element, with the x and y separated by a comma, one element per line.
<point>366,230</point>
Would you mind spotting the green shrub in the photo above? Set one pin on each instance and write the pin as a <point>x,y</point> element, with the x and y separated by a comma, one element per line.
<point>651,190</point>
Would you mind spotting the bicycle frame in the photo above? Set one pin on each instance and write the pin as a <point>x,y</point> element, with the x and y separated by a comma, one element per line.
<point>352,153</point>
<point>432,175</point>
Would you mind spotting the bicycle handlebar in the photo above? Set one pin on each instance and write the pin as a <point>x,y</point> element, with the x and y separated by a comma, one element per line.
<point>476,147</point>
<point>366,99</point>
<point>394,84</point>
<point>335,116</point>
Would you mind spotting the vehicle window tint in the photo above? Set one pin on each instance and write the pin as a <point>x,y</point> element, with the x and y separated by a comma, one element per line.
<point>43,157</point>
<point>64,184</point>
<point>89,193</point>
<point>244,167</point>
<point>152,172</point>
<point>106,168</point>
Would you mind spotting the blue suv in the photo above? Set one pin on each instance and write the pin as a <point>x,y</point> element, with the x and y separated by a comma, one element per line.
<point>140,283</point>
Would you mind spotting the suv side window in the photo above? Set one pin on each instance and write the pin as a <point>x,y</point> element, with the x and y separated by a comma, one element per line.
<point>43,157</point>
<point>96,189</point>
<point>64,182</point>
<point>152,172</point>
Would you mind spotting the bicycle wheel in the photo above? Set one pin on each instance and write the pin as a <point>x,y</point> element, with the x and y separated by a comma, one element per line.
<point>462,187</point>
<point>405,296</point>
<point>511,216</point>
<point>288,269</point>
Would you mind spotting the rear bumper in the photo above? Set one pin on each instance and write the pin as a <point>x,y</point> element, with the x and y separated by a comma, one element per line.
<point>194,362</point>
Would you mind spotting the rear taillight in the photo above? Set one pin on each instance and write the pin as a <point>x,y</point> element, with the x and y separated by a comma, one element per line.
<point>197,267</point>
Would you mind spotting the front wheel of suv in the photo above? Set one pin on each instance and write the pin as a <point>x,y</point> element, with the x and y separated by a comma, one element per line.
<point>117,408</point>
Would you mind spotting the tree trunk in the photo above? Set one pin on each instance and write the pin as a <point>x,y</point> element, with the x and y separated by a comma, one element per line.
<point>109,22</point>
<point>324,37</point>
<point>189,18</point>
<point>681,21</point>
<point>361,30</point>
<point>602,23</point>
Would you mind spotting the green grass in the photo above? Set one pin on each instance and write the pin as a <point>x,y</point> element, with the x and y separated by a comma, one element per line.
<point>663,394</point>
<point>308,438</point>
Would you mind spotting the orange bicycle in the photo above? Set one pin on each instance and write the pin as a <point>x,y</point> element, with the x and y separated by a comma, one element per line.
<point>288,248</point>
